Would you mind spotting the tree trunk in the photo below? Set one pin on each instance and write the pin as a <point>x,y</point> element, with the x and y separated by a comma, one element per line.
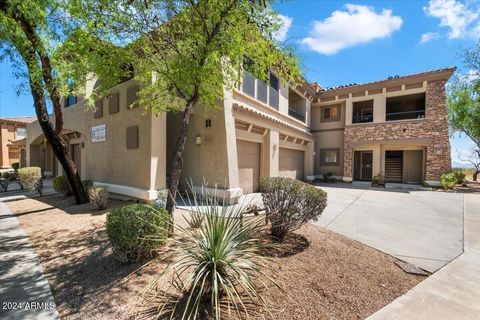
<point>177,160</point>
<point>475,175</point>
<point>58,144</point>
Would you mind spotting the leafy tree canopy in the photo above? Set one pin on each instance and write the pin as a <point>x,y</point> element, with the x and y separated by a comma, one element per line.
<point>192,49</point>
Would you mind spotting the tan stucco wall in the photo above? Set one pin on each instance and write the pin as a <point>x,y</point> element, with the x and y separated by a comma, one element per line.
<point>206,161</point>
<point>329,139</point>
<point>110,162</point>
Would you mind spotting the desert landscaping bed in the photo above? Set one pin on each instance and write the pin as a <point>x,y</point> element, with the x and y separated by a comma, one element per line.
<point>325,276</point>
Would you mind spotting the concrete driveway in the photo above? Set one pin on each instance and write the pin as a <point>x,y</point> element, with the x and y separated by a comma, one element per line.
<point>424,228</point>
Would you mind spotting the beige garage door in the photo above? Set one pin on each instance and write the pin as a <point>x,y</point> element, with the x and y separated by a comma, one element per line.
<point>248,165</point>
<point>291,163</point>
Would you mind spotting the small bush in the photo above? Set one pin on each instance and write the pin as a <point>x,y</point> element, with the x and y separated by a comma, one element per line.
<point>98,196</point>
<point>378,181</point>
<point>136,230</point>
<point>290,204</point>
<point>30,178</point>
<point>448,180</point>
<point>328,177</point>
<point>15,166</point>
<point>460,176</point>
<point>218,267</point>
<point>61,184</point>
<point>5,179</point>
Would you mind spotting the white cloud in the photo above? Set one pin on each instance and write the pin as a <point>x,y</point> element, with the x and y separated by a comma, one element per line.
<point>453,14</point>
<point>357,24</point>
<point>429,36</point>
<point>469,76</point>
<point>286,24</point>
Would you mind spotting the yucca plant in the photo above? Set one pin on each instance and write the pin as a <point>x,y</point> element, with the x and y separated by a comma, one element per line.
<point>217,266</point>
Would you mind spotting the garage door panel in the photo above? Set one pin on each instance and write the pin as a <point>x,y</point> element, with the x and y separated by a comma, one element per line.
<point>248,156</point>
<point>291,163</point>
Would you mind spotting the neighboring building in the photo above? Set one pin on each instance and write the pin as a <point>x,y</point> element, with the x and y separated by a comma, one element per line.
<point>11,130</point>
<point>397,128</point>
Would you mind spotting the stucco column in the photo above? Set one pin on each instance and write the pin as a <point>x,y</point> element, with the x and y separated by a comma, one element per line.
<point>158,151</point>
<point>309,159</point>
<point>348,112</point>
<point>271,150</point>
<point>379,108</point>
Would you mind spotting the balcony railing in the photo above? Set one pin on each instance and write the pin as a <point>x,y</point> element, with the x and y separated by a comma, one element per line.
<point>362,119</point>
<point>296,115</point>
<point>405,115</point>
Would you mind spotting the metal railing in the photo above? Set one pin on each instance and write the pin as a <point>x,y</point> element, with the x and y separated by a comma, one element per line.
<point>296,115</point>
<point>362,119</point>
<point>404,115</point>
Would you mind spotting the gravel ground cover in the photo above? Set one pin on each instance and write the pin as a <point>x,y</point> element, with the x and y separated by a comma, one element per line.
<point>324,275</point>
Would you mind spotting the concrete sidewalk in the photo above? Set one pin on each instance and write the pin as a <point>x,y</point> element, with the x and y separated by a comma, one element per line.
<point>24,290</point>
<point>453,292</point>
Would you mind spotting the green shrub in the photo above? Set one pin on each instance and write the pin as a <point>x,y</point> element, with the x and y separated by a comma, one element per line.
<point>136,230</point>
<point>378,181</point>
<point>98,196</point>
<point>61,184</point>
<point>448,180</point>
<point>30,178</point>
<point>15,166</point>
<point>5,179</point>
<point>218,266</point>
<point>328,177</point>
<point>460,176</point>
<point>290,204</point>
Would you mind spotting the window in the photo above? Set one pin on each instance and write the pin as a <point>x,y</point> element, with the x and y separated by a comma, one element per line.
<point>273,91</point>
<point>362,111</point>
<point>70,100</point>
<point>331,113</point>
<point>21,133</point>
<point>262,91</point>
<point>267,93</point>
<point>208,123</point>
<point>248,84</point>
<point>330,157</point>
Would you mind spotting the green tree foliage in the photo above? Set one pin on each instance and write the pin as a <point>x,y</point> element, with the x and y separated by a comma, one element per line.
<point>188,52</point>
<point>464,105</point>
<point>30,35</point>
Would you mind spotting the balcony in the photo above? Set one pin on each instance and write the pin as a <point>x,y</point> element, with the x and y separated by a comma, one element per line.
<point>405,115</point>
<point>362,119</point>
<point>405,107</point>
<point>293,113</point>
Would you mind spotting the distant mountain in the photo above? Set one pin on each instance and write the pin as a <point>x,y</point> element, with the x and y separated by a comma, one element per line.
<point>462,165</point>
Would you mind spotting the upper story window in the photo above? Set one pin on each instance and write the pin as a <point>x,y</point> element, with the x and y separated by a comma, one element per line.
<point>330,113</point>
<point>296,105</point>
<point>70,100</point>
<point>362,111</point>
<point>260,90</point>
<point>405,107</point>
<point>20,133</point>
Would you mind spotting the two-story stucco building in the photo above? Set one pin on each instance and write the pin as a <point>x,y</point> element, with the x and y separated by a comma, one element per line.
<point>395,127</point>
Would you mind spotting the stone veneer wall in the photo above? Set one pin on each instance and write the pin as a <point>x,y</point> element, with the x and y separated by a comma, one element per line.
<point>434,126</point>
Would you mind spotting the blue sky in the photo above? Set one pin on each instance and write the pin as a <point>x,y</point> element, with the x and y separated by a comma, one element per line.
<point>342,42</point>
